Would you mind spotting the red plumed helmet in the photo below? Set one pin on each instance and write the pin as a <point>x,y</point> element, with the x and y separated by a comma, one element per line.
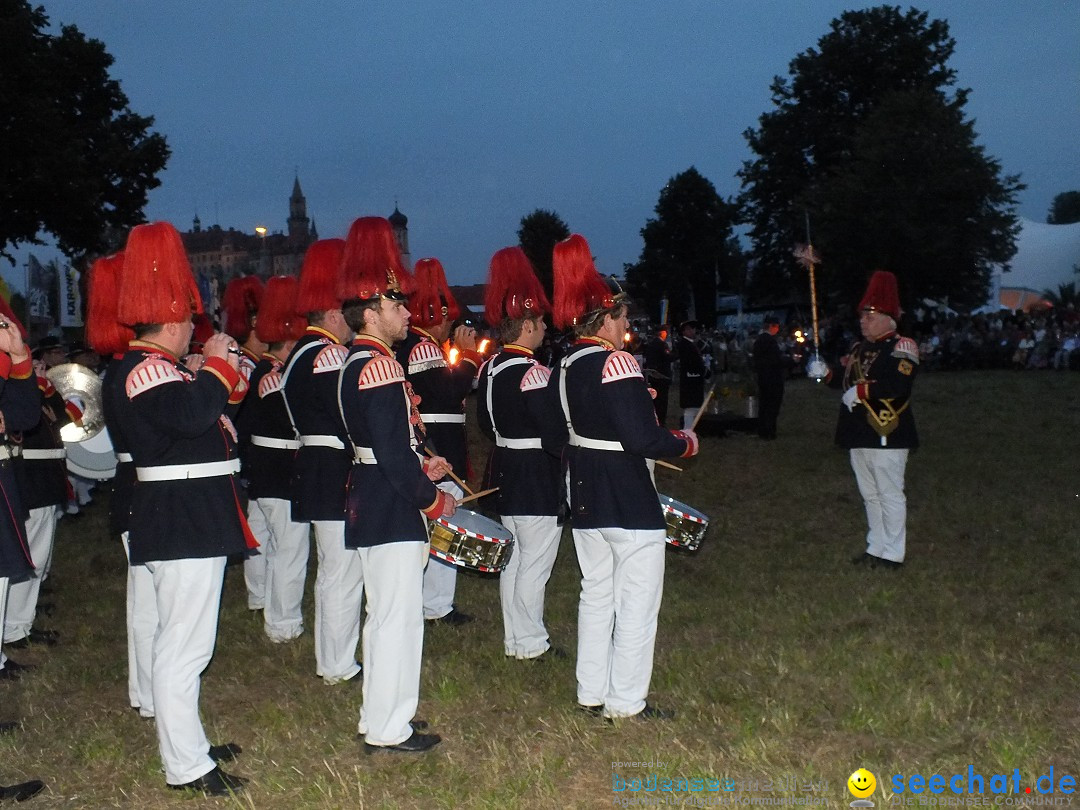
<point>278,321</point>
<point>104,332</point>
<point>241,304</point>
<point>9,316</point>
<point>371,265</point>
<point>157,284</point>
<point>513,290</point>
<point>431,301</point>
<point>580,291</point>
<point>882,295</point>
<point>319,277</point>
<point>203,330</point>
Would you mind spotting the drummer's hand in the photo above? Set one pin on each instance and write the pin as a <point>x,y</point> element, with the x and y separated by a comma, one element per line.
<point>691,439</point>
<point>436,468</point>
<point>445,505</point>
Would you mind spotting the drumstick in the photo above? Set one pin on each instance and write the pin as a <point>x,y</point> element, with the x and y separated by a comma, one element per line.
<point>477,495</point>
<point>668,464</point>
<point>701,410</point>
<point>455,479</point>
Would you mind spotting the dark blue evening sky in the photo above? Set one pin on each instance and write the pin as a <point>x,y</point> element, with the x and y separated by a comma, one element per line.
<point>472,114</point>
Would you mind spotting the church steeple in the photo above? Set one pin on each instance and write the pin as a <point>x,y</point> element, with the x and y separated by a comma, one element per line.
<point>298,218</point>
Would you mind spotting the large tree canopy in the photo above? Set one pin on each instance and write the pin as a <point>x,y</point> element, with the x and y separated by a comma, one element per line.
<point>689,250</point>
<point>538,234</point>
<point>868,140</point>
<point>75,161</point>
<point>1065,209</point>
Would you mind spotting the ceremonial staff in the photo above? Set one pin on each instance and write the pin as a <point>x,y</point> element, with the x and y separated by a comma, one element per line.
<point>808,257</point>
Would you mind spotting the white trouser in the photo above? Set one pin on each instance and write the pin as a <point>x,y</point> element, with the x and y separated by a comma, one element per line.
<point>23,596</point>
<point>188,598</point>
<point>82,488</point>
<point>256,560</point>
<point>523,581</point>
<point>688,417</point>
<point>285,552</point>
<point>142,622</point>
<point>339,593</point>
<point>393,640</point>
<point>622,582</point>
<point>880,476</point>
<point>440,578</point>
<point>4,584</point>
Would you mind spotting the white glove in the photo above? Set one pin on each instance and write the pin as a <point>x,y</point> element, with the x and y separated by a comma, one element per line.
<point>850,397</point>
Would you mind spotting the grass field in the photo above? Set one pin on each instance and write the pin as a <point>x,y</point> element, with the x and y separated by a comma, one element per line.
<point>789,668</point>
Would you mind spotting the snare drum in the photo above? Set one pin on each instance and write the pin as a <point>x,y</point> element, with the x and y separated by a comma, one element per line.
<point>686,526</point>
<point>471,541</point>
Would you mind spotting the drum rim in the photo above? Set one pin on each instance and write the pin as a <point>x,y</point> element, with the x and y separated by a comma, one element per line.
<point>446,522</point>
<point>697,517</point>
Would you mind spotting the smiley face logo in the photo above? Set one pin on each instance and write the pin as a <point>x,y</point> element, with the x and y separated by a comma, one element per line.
<point>862,783</point>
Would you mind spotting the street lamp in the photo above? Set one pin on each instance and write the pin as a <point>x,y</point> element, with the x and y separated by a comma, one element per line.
<point>263,258</point>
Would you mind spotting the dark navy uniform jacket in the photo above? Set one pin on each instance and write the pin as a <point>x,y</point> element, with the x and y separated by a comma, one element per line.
<point>691,373</point>
<point>169,415</point>
<point>268,470</point>
<point>43,481</point>
<point>884,371</point>
<point>310,389</point>
<point>386,498</point>
<point>529,478</point>
<point>112,394</point>
<point>20,405</point>
<point>609,402</point>
<point>442,389</point>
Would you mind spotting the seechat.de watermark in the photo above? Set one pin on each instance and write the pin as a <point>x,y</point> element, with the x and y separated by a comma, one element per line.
<point>972,788</point>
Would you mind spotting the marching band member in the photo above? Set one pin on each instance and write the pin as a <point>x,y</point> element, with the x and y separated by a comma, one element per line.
<point>619,530</point>
<point>390,485</point>
<point>185,512</point>
<point>875,424</point>
<point>108,336</point>
<point>271,445</point>
<point>321,466</point>
<point>20,409</point>
<point>510,393</point>
<point>43,484</point>
<point>442,389</point>
<point>240,310</point>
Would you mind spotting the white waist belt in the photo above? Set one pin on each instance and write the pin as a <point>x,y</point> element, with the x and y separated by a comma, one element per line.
<point>34,455</point>
<point>322,441</point>
<point>457,418</point>
<point>518,444</point>
<point>276,444</point>
<point>179,472</point>
<point>124,457</point>
<point>595,444</point>
<point>9,451</point>
<point>364,455</point>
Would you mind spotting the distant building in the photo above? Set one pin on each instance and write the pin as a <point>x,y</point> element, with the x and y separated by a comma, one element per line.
<point>218,255</point>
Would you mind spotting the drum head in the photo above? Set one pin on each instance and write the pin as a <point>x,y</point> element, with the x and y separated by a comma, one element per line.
<point>475,525</point>
<point>669,504</point>
<point>93,458</point>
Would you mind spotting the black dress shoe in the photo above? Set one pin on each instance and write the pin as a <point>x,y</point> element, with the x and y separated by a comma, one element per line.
<point>8,727</point>
<point>595,711</point>
<point>13,670</point>
<point>46,608</point>
<point>866,558</point>
<point>214,783</point>
<point>651,712</point>
<point>225,753</point>
<point>21,792</point>
<point>454,618</point>
<point>40,638</point>
<point>889,565</point>
<point>417,725</point>
<point>415,744</point>
<point>550,654</point>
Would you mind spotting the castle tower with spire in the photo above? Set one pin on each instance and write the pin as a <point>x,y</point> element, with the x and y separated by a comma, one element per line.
<point>298,222</point>
<point>400,223</point>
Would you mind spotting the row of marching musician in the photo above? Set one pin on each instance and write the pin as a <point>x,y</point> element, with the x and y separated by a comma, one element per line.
<point>339,434</point>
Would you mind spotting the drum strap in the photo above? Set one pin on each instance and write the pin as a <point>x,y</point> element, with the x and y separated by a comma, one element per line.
<point>285,379</point>
<point>500,440</point>
<point>575,439</point>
